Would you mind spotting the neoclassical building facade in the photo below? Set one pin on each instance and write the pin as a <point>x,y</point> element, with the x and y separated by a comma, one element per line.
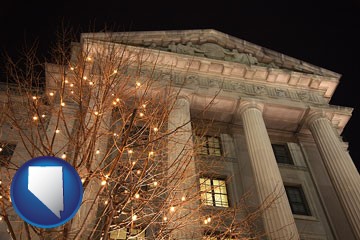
<point>270,123</point>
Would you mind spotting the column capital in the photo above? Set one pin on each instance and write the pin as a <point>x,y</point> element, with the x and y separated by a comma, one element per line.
<point>184,97</point>
<point>250,103</point>
<point>315,115</point>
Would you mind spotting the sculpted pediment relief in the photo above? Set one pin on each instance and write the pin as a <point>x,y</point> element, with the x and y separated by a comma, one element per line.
<point>214,51</point>
<point>212,44</point>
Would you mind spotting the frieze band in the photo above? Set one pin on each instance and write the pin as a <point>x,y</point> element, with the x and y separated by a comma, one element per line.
<point>191,81</point>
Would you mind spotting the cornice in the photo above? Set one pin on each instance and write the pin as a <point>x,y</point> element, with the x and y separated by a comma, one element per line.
<point>324,85</point>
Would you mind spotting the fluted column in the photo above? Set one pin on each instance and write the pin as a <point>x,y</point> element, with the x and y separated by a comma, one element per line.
<point>278,219</point>
<point>182,172</point>
<point>341,169</point>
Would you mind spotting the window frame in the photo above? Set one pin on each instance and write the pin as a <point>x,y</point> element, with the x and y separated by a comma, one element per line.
<point>139,132</point>
<point>304,202</point>
<point>204,140</point>
<point>217,236</point>
<point>5,159</point>
<point>286,151</point>
<point>128,232</point>
<point>204,195</point>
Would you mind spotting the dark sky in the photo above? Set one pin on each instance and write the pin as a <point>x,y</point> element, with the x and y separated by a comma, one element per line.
<point>323,33</point>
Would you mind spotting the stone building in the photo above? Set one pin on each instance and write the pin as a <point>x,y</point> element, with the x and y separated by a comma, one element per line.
<point>271,125</point>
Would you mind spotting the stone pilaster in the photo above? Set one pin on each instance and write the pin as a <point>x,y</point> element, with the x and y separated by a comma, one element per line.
<point>278,219</point>
<point>341,169</point>
<point>182,171</point>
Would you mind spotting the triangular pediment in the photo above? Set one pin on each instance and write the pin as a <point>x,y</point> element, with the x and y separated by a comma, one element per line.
<point>212,44</point>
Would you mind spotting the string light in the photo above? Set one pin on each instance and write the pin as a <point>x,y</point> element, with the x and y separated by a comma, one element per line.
<point>85,77</point>
<point>0,197</point>
<point>57,131</point>
<point>1,218</point>
<point>209,219</point>
<point>63,156</point>
<point>72,68</point>
<point>43,115</point>
<point>144,105</point>
<point>106,202</point>
<point>165,219</point>
<point>114,103</point>
<point>51,94</point>
<point>183,198</point>
<point>137,196</point>
<point>91,83</point>
<point>138,84</point>
<point>72,92</point>
<point>35,118</point>
<point>205,221</point>
<point>83,180</point>
<point>130,151</point>
<point>103,182</point>
<point>138,172</point>
<point>156,129</point>
<point>66,81</point>
<point>97,151</point>
<point>115,71</point>
<point>172,209</point>
<point>63,104</point>
<point>1,149</point>
<point>71,85</point>
<point>96,113</point>
<point>141,114</point>
<point>155,183</point>
<point>151,154</point>
<point>134,217</point>
<point>88,59</point>
<point>34,97</point>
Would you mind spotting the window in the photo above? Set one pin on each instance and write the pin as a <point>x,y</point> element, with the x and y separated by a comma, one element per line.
<point>297,200</point>
<point>217,237</point>
<point>6,152</point>
<point>210,145</point>
<point>282,153</point>
<point>213,192</point>
<point>128,233</point>
<point>139,135</point>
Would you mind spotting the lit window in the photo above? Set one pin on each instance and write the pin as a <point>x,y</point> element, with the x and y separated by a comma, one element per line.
<point>213,192</point>
<point>210,145</point>
<point>127,233</point>
<point>6,152</point>
<point>297,200</point>
<point>282,153</point>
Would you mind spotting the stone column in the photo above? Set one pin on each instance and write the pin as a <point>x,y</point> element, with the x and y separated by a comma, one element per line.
<point>182,171</point>
<point>341,169</point>
<point>278,219</point>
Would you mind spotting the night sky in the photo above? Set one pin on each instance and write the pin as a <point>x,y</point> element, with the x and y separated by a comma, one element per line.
<point>322,33</point>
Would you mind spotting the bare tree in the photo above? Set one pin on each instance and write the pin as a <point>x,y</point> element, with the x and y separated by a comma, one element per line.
<point>105,108</point>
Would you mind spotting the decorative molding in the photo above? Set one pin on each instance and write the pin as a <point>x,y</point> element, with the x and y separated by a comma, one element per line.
<point>195,81</point>
<point>317,83</point>
<point>160,40</point>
